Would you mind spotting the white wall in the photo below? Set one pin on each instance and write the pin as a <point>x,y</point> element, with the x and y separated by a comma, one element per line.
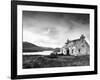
<point>5,29</point>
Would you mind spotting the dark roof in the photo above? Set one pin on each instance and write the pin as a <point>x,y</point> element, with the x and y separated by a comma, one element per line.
<point>73,41</point>
<point>76,41</point>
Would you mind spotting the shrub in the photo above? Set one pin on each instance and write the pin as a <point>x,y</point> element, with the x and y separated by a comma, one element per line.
<point>52,55</point>
<point>61,54</point>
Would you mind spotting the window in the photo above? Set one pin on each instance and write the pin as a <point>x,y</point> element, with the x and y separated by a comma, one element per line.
<point>82,45</point>
<point>79,50</point>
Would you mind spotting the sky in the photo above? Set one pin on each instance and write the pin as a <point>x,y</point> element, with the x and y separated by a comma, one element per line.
<point>52,29</point>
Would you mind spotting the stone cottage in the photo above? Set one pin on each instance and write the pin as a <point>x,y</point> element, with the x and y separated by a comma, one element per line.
<point>76,47</point>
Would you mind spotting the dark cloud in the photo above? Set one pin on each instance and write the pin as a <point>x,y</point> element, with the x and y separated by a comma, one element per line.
<point>56,25</point>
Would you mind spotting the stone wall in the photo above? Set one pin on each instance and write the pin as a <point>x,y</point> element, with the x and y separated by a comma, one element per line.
<point>76,47</point>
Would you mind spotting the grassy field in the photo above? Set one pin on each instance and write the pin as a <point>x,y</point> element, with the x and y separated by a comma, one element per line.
<point>39,61</point>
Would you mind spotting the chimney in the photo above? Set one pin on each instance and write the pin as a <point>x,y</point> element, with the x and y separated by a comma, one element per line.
<point>82,37</point>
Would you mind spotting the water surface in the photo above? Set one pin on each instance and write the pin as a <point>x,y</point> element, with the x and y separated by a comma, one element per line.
<point>38,53</point>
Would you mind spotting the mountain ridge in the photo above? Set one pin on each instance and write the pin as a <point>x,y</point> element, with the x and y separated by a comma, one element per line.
<point>30,47</point>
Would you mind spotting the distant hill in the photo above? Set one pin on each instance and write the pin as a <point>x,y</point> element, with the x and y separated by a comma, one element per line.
<point>29,47</point>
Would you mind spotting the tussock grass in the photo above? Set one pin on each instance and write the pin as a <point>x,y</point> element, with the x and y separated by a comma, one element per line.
<point>40,61</point>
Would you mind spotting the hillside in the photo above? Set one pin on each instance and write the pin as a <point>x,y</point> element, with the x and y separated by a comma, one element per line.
<point>29,47</point>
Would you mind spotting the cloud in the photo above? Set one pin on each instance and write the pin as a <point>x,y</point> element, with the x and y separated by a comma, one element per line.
<point>53,29</point>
